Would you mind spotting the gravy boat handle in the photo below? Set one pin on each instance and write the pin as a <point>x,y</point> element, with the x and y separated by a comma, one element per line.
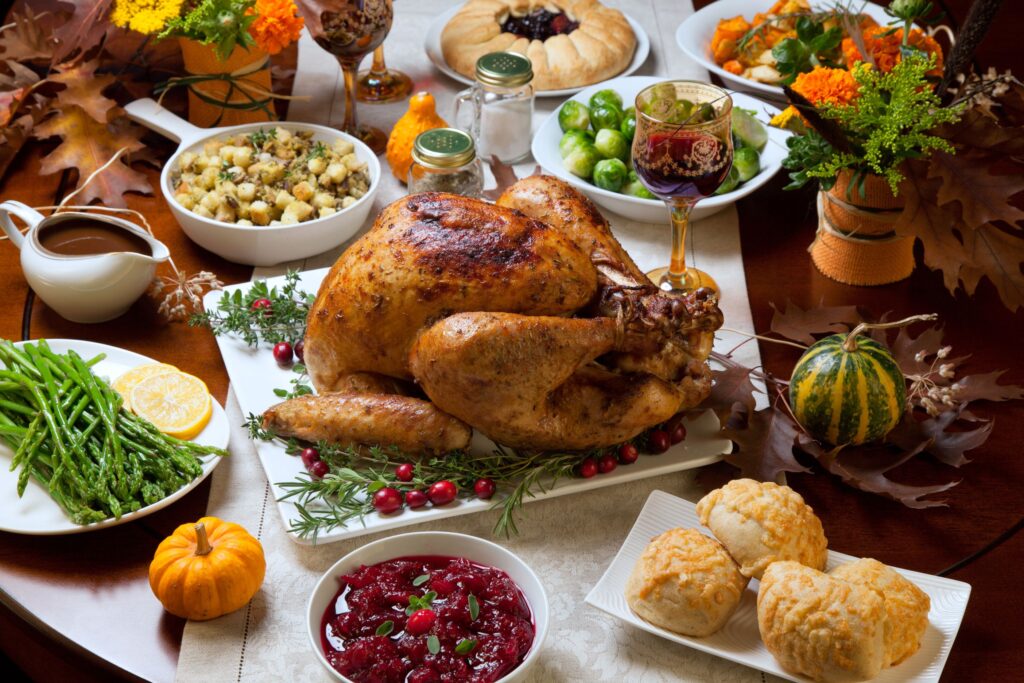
<point>154,116</point>
<point>26,213</point>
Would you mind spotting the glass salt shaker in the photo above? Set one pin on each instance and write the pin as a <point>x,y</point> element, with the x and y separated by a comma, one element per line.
<point>444,160</point>
<point>500,117</point>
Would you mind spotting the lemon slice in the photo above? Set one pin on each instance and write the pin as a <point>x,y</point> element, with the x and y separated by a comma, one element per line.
<point>177,403</point>
<point>127,380</point>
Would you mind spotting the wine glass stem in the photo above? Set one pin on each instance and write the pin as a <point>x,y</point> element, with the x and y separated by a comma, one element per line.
<point>680,213</point>
<point>348,69</point>
<point>379,69</point>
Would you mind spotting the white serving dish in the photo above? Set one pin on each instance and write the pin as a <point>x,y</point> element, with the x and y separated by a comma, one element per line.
<point>255,245</point>
<point>740,640</point>
<point>432,44</point>
<point>545,151</point>
<point>434,543</point>
<point>694,38</point>
<point>36,514</point>
<point>254,376</point>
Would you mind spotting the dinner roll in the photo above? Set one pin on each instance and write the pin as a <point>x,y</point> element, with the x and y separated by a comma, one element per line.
<point>685,582</point>
<point>906,605</point>
<point>761,522</point>
<point>820,626</point>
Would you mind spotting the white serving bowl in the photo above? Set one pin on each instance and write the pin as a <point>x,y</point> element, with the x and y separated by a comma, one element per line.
<point>433,543</point>
<point>694,38</point>
<point>545,151</point>
<point>256,245</point>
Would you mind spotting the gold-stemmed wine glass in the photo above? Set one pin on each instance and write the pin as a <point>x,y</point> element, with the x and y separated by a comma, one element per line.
<point>381,84</point>
<point>349,30</point>
<point>682,151</point>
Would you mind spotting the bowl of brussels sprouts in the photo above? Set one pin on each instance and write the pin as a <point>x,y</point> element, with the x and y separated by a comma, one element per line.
<point>587,142</point>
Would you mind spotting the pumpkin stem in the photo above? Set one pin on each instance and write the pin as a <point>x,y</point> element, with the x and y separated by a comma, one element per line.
<point>203,546</point>
<point>850,344</point>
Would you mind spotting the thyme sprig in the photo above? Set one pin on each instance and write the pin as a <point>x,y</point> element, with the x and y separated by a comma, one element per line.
<point>283,320</point>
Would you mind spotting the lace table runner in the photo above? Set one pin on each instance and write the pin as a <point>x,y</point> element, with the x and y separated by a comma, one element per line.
<point>569,540</point>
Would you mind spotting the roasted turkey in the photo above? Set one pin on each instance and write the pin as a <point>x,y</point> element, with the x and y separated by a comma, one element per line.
<point>525,320</point>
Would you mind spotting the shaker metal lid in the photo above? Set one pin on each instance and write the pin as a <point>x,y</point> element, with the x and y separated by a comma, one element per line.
<point>504,69</point>
<point>443,148</point>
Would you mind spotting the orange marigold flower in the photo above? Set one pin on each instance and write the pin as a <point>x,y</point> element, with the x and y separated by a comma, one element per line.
<point>835,86</point>
<point>276,26</point>
<point>885,49</point>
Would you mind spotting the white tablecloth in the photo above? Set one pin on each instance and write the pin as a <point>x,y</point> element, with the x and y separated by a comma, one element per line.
<point>568,541</point>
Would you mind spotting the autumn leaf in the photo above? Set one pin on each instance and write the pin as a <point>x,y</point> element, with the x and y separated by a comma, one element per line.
<point>998,255</point>
<point>85,89</point>
<point>83,30</point>
<point>986,387</point>
<point>87,145</point>
<point>765,445</point>
<point>967,179</point>
<point>799,325</point>
<point>26,40</point>
<point>924,219</point>
<point>504,176</point>
<point>906,347</point>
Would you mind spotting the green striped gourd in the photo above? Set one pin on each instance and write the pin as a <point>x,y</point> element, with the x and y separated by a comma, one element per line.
<point>847,390</point>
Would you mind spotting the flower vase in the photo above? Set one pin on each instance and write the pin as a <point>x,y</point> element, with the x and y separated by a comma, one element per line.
<point>856,242</point>
<point>236,91</point>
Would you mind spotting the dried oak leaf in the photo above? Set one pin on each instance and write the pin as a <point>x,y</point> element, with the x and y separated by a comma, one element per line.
<point>997,255</point>
<point>85,89</point>
<point>25,39</point>
<point>87,145</point>
<point>906,347</point>
<point>83,30</point>
<point>504,176</point>
<point>983,196</point>
<point>986,387</point>
<point>765,445</point>
<point>732,392</point>
<point>799,325</point>
<point>930,435</point>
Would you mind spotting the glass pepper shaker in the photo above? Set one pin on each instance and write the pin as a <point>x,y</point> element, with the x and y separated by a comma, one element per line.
<point>498,110</point>
<point>444,160</point>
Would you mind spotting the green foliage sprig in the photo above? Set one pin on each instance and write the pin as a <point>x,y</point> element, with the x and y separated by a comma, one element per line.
<point>890,122</point>
<point>812,46</point>
<point>284,320</point>
<point>221,23</point>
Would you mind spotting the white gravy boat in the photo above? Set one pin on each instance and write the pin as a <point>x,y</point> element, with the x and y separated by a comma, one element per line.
<point>88,288</point>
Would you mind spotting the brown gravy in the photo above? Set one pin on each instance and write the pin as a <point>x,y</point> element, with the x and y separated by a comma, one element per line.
<point>84,237</point>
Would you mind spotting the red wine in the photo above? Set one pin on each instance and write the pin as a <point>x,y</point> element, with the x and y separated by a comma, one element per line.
<point>682,163</point>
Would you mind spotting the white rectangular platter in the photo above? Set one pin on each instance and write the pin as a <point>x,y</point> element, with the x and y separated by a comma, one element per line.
<point>254,376</point>
<point>739,640</point>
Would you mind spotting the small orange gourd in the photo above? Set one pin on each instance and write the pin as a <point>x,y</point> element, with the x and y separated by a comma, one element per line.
<point>207,569</point>
<point>421,116</point>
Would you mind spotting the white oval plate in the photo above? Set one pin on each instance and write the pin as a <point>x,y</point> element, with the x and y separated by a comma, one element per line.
<point>36,514</point>
<point>432,44</point>
<point>545,151</point>
<point>694,37</point>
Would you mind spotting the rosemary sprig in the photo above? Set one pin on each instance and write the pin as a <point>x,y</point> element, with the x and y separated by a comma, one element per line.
<point>283,320</point>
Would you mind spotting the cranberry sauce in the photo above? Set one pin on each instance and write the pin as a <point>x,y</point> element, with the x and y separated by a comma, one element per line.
<point>424,619</point>
<point>539,24</point>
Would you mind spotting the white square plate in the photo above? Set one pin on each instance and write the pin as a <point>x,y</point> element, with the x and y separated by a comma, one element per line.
<point>739,640</point>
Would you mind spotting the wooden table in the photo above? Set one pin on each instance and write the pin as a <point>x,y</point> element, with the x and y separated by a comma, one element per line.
<point>80,606</point>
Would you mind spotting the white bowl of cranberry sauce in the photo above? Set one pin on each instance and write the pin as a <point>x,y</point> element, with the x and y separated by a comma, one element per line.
<point>427,607</point>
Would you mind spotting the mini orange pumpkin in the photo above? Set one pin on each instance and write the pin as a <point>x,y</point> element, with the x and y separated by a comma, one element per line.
<point>207,569</point>
<point>422,116</point>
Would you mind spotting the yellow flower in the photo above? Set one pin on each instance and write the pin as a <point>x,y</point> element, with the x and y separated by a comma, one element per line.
<point>144,16</point>
<point>276,24</point>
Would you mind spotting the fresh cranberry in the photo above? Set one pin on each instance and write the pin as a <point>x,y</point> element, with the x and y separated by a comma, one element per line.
<point>484,488</point>
<point>319,469</point>
<point>309,456</point>
<point>300,350</point>
<point>387,500</point>
<point>588,468</point>
<point>416,499</point>
<point>658,441</point>
<point>607,463</point>
<point>442,492</point>
<point>678,433</point>
<point>420,622</point>
<point>628,454</point>
<point>261,305</point>
<point>404,472</point>
<point>283,353</point>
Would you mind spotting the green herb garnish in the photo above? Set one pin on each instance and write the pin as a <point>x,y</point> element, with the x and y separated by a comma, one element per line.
<point>433,644</point>
<point>417,603</point>
<point>474,607</point>
<point>283,320</point>
<point>386,628</point>
<point>465,646</point>
<point>421,579</point>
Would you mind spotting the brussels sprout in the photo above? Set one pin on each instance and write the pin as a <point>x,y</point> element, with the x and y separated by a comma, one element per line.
<point>582,159</point>
<point>731,181</point>
<point>606,96</point>
<point>612,144</point>
<point>573,116</point>
<point>747,162</point>
<point>748,130</point>
<point>610,174</point>
<point>630,111</point>
<point>572,139</point>
<point>635,188</point>
<point>605,116</point>
<point>628,127</point>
